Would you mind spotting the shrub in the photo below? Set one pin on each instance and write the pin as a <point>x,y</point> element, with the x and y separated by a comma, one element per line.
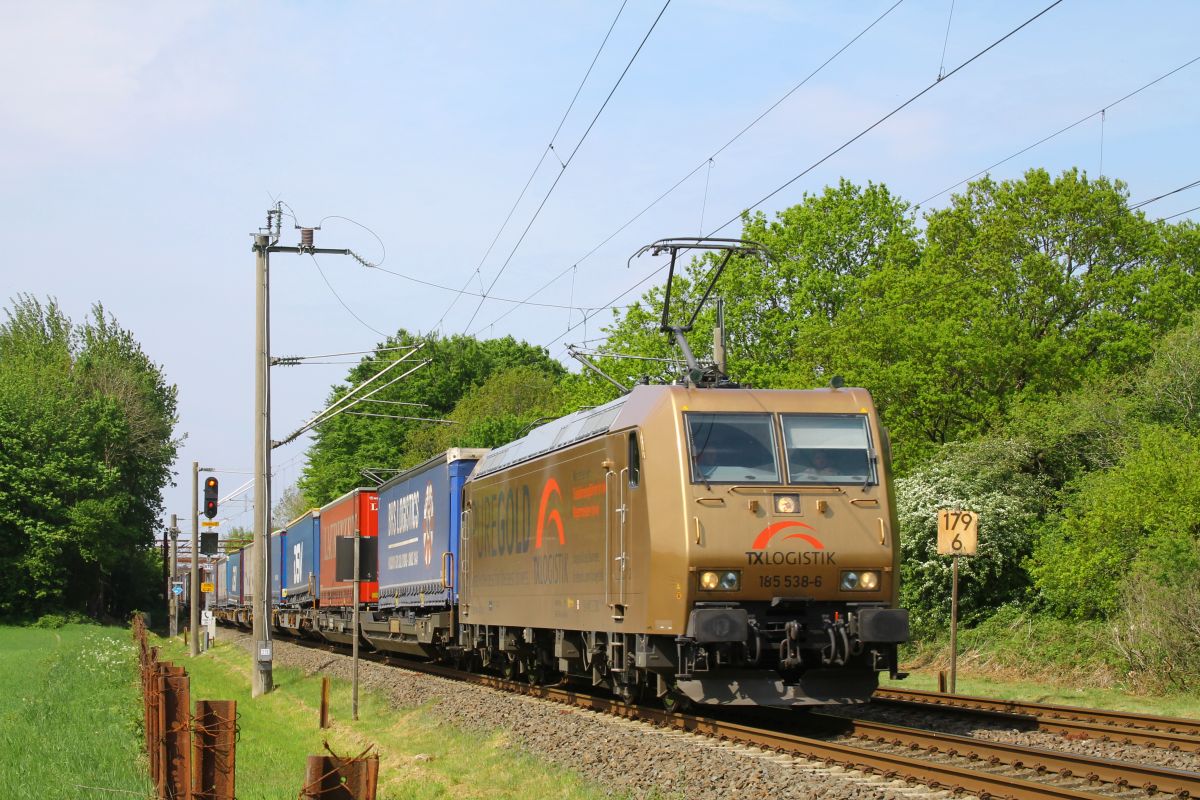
<point>1139,517</point>
<point>988,476</point>
<point>1157,631</point>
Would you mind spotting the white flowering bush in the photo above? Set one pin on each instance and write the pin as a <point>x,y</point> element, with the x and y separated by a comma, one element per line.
<point>991,477</point>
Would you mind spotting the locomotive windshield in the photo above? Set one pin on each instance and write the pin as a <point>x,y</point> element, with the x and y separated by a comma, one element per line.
<point>732,448</point>
<point>828,449</point>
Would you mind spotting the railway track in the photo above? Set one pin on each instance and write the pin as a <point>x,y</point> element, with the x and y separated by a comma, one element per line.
<point>941,761</point>
<point>1110,726</point>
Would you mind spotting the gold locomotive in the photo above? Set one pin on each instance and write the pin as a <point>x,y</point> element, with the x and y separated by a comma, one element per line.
<point>727,546</point>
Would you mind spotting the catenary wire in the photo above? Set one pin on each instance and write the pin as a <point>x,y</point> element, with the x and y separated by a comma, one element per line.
<point>463,292</point>
<point>378,238</point>
<point>1059,132</point>
<point>534,173</point>
<point>354,352</point>
<point>566,164</point>
<point>838,149</point>
<point>886,117</point>
<point>350,311</point>
<point>699,166</point>
<point>1184,188</point>
<point>1180,214</point>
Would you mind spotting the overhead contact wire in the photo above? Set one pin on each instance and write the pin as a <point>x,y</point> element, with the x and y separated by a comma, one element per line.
<point>567,163</point>
<point>888,115</point>
<point>846,144</point>
<point>538,166</point>
<point>699,166</point>
<point>1060,131</point>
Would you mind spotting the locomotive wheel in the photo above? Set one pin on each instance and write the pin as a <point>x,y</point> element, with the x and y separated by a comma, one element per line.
<point>509,670</point>
<point>676,702</point>
<point>629,693</point>
<point>536,673</point>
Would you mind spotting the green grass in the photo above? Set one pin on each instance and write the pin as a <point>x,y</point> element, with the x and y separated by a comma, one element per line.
<point>1061,694</point>
<point>421,757</point>
<point>1018,656</point>
<point>70,715</point>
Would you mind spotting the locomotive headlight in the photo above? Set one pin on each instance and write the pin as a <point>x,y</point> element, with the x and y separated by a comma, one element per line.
<point>787,503</point>
<point>864,581</point>
<point>726,581</point>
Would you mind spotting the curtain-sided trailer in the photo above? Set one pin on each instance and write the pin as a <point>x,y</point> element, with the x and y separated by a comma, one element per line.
<point>355,512</point>
<point>300,575</point>
<point>419,515</point>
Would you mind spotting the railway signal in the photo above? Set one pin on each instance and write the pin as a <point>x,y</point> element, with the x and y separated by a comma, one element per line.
<point>210,497</point>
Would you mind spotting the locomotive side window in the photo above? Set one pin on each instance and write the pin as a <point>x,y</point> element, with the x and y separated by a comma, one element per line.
<point>824,448</point>
<point>635,460</point>
<point>732,448</point>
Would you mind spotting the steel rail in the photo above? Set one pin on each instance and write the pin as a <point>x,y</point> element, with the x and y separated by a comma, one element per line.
<point>1122,774</point>
<point>1116,718</point>
<point>936,775</point>
<point>1176,734</point>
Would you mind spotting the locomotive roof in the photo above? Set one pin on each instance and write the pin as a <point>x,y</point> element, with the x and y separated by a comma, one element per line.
<point>554,435</point>
<point>635,407</point>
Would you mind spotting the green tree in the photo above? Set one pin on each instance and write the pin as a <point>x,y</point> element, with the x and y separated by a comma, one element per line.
<point>1141,517</point>
<point>501,409</point>
<point>347,444</point>
<point>86,425</point>
<point>1024,288</point>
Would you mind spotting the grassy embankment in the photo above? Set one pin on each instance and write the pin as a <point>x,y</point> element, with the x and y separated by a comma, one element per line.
<point>421,757</point>
<point>1019,657</point>
<point>70,714</point>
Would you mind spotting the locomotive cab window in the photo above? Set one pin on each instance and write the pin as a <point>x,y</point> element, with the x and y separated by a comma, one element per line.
<point>732,448</point>
<point>824,448</point>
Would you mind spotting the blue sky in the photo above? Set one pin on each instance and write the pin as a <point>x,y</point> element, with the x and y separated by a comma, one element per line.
<point>141,144</point>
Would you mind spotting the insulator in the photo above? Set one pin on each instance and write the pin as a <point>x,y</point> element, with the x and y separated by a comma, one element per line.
<point>306,237</point>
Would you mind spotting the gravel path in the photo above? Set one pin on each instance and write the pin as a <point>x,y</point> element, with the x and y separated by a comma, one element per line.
<point>626,757</point>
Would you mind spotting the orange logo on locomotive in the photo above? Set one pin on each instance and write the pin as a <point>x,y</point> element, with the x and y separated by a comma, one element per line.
<point>757,556</point>
<point>767,533</point>
<point>551,488</point>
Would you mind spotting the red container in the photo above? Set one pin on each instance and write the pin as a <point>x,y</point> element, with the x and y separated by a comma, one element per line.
<point>358,510</point>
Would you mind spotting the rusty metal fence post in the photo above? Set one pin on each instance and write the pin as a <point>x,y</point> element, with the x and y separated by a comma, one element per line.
<point>332,777</point>
<point>171,732</point>
<point>214,745</point>
<point>176,752</point>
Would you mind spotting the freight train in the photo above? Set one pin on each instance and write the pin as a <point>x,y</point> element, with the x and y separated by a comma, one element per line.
<point>697,545</point>
<point>699,542</point>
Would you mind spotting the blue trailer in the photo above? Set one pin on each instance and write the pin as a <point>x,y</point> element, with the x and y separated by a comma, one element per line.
<point>419,516</point>
<point>233,578</point>
<point>299,563</point>
<point>278,546</point>
<point>302,561</point>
